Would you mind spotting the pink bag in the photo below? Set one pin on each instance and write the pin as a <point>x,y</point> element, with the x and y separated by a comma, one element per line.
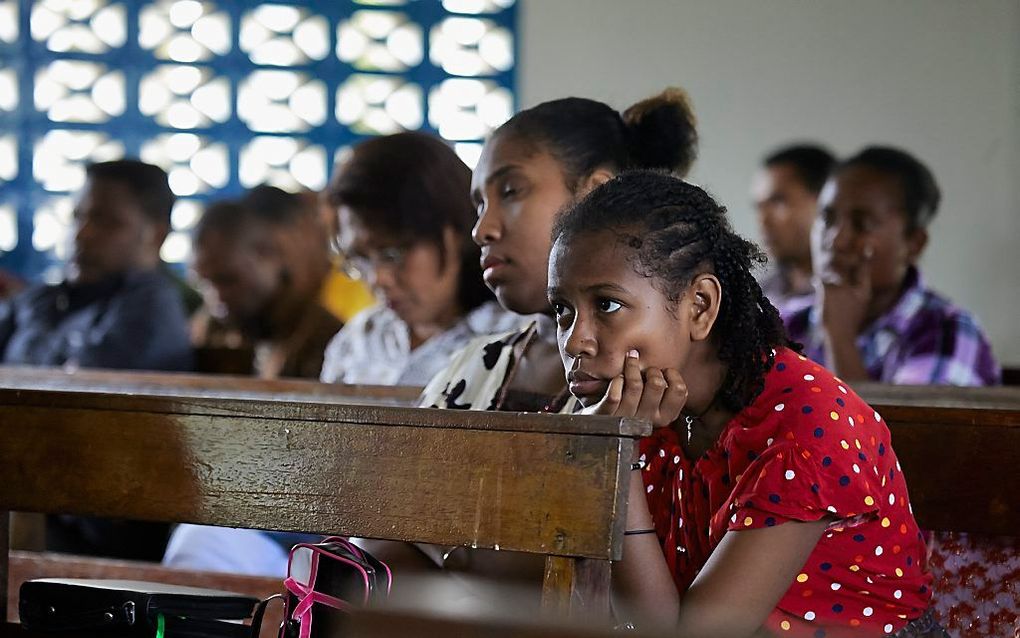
<point>324,581</point>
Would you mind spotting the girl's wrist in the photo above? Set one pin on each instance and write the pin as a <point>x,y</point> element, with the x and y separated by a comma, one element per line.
<point>638,515</point>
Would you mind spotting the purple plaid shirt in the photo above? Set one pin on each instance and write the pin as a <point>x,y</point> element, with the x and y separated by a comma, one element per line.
<point>923,340</point>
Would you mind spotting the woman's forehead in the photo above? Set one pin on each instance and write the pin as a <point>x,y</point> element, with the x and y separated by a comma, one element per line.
<point>507,149</point>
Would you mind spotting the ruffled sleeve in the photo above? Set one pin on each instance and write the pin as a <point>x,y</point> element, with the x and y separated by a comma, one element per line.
<point>795,482</point>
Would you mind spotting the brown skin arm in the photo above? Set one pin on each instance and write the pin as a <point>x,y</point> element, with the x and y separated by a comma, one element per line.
<point>744,579</point>
<point>733,595</point>
<point>643,589</point>
<point>419,558</point>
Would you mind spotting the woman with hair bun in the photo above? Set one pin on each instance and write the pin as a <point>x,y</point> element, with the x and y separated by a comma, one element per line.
<point>539,162</point>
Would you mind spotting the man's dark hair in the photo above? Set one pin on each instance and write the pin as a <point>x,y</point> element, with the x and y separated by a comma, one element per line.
<point>677,231</point>
<point>148,184</point>
<point>921,195</point>
<point>812,164</point>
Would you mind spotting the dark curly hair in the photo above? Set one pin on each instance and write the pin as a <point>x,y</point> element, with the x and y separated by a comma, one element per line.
<point>677,231</point>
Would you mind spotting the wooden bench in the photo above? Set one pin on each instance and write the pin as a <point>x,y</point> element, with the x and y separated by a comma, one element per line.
<point>31,527</point>
<point>536,483</point>
<point>959,448</point>
<point>931,396</point>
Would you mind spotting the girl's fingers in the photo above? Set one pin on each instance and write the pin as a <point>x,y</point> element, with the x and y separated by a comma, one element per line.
<point>633,386</point>
<point>611,402</point>
<point>674,398</point>
<point>651,395</point>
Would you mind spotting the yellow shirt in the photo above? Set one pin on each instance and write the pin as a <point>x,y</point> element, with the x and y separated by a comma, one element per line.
<point>343,296</point>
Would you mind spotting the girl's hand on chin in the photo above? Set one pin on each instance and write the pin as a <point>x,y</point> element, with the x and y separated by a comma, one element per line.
<point>658,395</point>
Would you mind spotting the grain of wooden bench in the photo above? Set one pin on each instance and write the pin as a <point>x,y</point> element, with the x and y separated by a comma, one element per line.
<point>537,483</point>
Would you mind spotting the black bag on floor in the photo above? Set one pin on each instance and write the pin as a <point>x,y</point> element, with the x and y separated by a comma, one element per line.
<point>134,608</point>
<point>325,581</point>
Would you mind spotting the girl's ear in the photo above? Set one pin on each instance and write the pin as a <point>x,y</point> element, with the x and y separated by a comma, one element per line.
<point>705,295</point>
<point>598,177</point>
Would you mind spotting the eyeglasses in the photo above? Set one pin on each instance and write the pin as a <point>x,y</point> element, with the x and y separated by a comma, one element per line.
<point>360,266</point>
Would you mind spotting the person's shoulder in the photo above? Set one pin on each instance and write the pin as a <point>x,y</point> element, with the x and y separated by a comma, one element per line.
<point>481,346</point>
<point>802,398</point>
<point>30,304</point>
<point>936,311</point>
<point>945,344</point>
<point>355,341</point>
<point>35,292</point>
<point>791,374</point>
<point>477,369</point>
<point>152,283</point>
<point>362,327</point>
<point>939,323</point>
<point>149,292</point>
<point>370,320</point>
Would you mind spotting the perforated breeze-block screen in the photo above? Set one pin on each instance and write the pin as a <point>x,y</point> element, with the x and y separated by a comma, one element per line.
<point>226,95</point>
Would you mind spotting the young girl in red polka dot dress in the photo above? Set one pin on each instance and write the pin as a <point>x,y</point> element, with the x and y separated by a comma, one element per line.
<point>771,501</point>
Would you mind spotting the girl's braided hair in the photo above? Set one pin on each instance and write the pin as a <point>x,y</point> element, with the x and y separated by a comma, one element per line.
<point>677,231</point>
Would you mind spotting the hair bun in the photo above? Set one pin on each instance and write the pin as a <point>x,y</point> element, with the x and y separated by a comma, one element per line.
<point>662,131</point>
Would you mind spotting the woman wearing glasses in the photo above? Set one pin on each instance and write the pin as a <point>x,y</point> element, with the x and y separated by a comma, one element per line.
<point>405,217</point>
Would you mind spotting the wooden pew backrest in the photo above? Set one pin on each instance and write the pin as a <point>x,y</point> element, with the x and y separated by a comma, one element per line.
<point>961,466</point>
<point>930,396</point>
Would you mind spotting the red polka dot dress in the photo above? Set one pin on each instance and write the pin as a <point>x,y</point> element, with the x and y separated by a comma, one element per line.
<point>807,448</point>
